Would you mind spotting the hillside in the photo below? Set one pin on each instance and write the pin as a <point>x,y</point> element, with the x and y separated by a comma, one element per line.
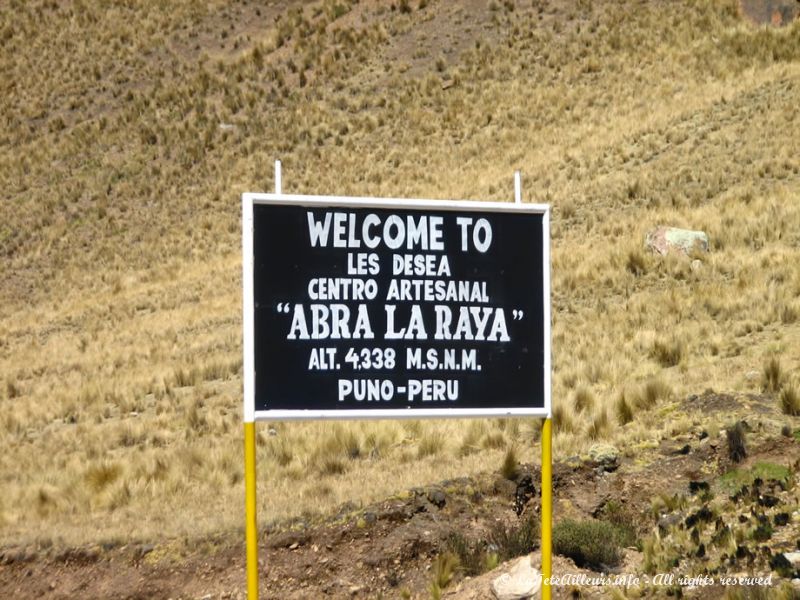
<point>131,129</point>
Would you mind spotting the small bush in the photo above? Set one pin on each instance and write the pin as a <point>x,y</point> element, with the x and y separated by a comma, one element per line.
<point>562,420</point>
<point>12,391</point>
<point>600,425</point>
<point>654,391</point>
<point>668,353</point>
<point>98,477</point>
<point>349,442</point>
<point>280,449</point>
<point>474,557</point>
<point>583,399</point>
<point>186,377</point>
<point>333,466</point>
<point>762,532</point>
<point>445,567</point>
<point>515,540</point>
<point>593,544</point>
<point>430,445</point>
<point>772,377</point>
<point>623,519</point>
<point>510,467</point>
<point>494,441</point>
<point>624,410</point>
<point>737,444</point>
<point>790,401</point>
<point>636,263</point>
<point>471,441</point>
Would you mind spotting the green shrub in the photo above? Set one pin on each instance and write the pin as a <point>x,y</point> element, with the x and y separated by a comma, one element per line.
<point>474,557</point>
<point>515,540</point>
<point>592,544</point>
<point>444,569</point>
<point>623,519</point>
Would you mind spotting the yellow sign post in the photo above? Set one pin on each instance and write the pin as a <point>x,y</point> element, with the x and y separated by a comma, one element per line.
<point>547,507</point>
<point>251,527</point>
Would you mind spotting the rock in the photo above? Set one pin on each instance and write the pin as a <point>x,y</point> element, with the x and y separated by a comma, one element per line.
<point>663,240</point>
<point>144,549</point>
<point>437,497</point>
<point>521,581</point>
<point>793,558</point>
<point>286,539</point>
<point>504,487</point>
<point>780,564</point>
<point>605,455</point>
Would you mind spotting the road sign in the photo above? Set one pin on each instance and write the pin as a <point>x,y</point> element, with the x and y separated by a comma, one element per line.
<point>384,308</point>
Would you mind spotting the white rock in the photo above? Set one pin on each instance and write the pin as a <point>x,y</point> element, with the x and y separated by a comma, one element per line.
<point>663,240</point>
<point>521,582</point>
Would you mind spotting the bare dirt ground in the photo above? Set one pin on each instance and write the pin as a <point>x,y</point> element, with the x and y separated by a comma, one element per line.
<point>386,550</point>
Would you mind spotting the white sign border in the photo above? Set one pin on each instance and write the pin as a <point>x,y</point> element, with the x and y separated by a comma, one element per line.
<point>249,199</point>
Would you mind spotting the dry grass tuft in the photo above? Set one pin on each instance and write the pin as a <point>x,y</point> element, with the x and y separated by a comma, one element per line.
<point>624,410</point>
<point>431,444</point>
<point>737,443</point>
<point>772,376</point>
<point>99,477</point>
<point>599,426</point>
<point>562,420</point>
<point>669,352</point>
<point>654,391</point>
<point>790,401</point>
<point>510,467</point>
<point>583,400</point>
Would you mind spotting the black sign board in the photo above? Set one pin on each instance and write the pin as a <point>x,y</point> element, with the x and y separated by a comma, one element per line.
<point>391,308</point>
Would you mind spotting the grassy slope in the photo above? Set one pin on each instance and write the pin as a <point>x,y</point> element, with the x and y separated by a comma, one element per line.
<point>119,227</point>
